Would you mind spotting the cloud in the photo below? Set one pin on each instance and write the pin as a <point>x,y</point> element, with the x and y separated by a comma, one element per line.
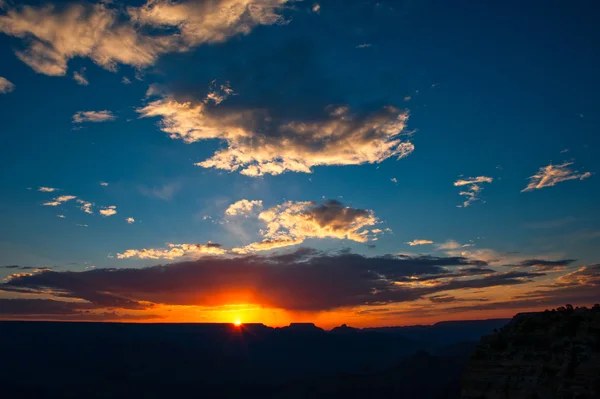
<point>175,251</point>
<point>80,78</point>
<point>103,184</point>
<point>134,36</point>
<point>164,193</point>
<point>108,211</point>
<point>449,298</point>
<point>364,45</point>
<point>551,175</point>
<point>547,265</point>
<point>130,220</point>
<point>394,180</point>
<point>21,307</point>
<point>304,280</point>
<point>6,86</point>
<point>473,180</point>
<point>292,222</point>
<point>61,216</point>
<point>243,207</point>
<point>550,224</point>
<point>93,116</point>
<point>580,286</point>
<point>125,80</point>
<point>316,7</point>
<point>259,143</point>
<point>85,206</point>
<point>59,200</point>
<point>47,189</point>
<point>473,190</point>
<point>419,242</point>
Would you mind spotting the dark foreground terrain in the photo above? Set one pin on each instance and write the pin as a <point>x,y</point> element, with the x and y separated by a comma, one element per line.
<point>547,355</point>
<point>112,360</point>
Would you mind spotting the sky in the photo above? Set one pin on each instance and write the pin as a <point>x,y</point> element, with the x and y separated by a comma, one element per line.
<point>370,163</point>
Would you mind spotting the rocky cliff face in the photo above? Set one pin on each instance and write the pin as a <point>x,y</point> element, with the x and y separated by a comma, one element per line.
<point>553,354</point>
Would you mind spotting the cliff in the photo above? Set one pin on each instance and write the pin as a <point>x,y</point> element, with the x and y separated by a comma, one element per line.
<point>553,354</point>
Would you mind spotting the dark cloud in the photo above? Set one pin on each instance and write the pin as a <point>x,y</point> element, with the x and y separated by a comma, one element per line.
<point>17,267</point>
<point>41,307</point>
<point>450,298</point>
<point>24,309</point>
<point>303,280</point>
<point>542,264</point>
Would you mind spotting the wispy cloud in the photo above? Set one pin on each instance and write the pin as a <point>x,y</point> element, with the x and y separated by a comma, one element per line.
<point>550,224</point>
<point>126,80</point>
<point>419,242</point>
<point>473,190</point>
<point>93,116</point>
<point>6,86</point>
<point>165,192</point>
<point>103,184</point>
<point>80,78</point>
<point>364,45</point>
<point>551,175</point>
<point>47,189</point>
<point>130,220</point>
<point>243,207</point>
<point>60,200</point>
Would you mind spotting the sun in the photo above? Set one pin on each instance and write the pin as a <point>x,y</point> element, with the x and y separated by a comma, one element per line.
<point>237,323</point>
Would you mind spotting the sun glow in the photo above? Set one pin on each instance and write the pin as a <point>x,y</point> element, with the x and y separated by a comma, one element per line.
<point>237,323</point>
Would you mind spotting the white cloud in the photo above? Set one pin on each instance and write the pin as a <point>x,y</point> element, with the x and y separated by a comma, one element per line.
<point>93,116</point>
<point>61,216</point>
<point>6,86</point>
<point>473,190</point>
<point>341,138</point>
<point>60,200</point>
<point>174,251</point>
<point>419,242</point>
<point>473,180</point>
<point>81,225</point>
<point>292,222</point>
<point>47,189</point>
<point>103,183</point>
<point>243,207</point>
<point>79,77</point>
<point>54,35</point>
<point>551,175</point>
<point>364,45</point>
<point>394,180</point>
<point>108,211</point>
<point>126,80</point>
<point>85,206</point>
<point>130,220</point>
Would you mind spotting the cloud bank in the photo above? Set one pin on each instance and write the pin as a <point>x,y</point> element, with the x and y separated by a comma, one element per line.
<point>136,36</point>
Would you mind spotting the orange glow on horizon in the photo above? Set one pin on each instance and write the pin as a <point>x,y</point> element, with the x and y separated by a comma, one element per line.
<point>237,323</point>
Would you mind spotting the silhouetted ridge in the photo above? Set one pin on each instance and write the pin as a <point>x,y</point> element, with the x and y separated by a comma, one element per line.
<point>552,354</point>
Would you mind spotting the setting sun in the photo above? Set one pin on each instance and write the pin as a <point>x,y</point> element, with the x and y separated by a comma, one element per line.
<point>237,323</point>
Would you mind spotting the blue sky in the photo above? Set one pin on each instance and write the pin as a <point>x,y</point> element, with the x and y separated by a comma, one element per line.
<point>495,91</point>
